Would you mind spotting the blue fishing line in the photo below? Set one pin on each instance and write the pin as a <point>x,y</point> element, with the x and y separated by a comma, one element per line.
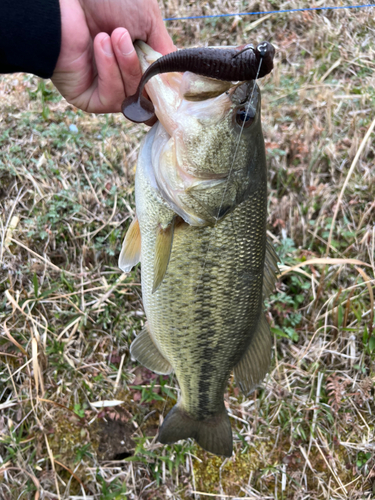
<point>270,12</point>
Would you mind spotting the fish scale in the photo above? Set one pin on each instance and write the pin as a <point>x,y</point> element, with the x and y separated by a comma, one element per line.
<point>203,285</point>
<point>212,305</point>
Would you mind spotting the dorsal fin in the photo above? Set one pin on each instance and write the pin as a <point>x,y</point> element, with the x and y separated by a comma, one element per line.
<point>131,248</point>
<point>163,248</point>
<point>270,269</point>
<point>254,364</point>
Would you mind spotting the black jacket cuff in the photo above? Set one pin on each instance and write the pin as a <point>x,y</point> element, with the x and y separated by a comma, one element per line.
<point>30,36</point>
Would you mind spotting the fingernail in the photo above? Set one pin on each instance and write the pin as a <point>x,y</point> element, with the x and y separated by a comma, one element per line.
<point>126,45</point>
<point>107,46</point>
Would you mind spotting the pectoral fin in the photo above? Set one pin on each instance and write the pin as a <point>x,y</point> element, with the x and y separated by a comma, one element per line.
<point>253,366</point>
<point>163,248</point>
<point>145,351</point>
<point>131,248</point>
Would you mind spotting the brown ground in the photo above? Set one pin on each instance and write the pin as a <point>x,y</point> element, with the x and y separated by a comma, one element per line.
<point>68,315</point>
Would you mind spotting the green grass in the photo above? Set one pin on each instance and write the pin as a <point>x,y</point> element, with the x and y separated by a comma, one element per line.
<point>69,315</point>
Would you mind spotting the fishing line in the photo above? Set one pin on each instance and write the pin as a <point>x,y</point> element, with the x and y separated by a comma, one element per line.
<point>238,143</point>
<point>283,11</point>
<point>228,178</point>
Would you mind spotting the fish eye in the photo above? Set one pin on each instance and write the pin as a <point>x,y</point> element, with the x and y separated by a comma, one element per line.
<point>245,116</point>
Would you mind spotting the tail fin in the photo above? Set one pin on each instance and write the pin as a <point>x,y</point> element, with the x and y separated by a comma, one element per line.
<point>213,434</point>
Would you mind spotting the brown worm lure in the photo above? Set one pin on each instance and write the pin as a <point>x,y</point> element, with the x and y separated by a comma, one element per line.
<point>239,64</point>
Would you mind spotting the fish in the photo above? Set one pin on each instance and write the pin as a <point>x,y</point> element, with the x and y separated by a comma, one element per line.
<point>200,235</point>
<point>245,62</point>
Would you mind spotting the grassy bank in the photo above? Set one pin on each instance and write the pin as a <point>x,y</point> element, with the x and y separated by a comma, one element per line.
<point>68,315</point>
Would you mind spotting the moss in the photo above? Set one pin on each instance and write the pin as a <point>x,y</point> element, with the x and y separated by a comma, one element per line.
<point>265,460</point>
<point>65,436</point>
<point>213,472</point>
<point>70,444</point>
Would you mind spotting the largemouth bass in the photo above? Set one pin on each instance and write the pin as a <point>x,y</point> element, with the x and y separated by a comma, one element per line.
<point>200,234</point>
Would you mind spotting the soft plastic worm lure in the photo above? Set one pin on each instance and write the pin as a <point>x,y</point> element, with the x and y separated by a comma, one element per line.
<point>238,64</point>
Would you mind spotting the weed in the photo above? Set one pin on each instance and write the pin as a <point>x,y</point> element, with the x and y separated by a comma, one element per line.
<point>68,315</point>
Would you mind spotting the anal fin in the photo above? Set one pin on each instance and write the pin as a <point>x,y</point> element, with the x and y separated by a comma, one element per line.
<point>145,351</point>
<point>163,248</point>
<point>131,248</point>
<point>253,366</point>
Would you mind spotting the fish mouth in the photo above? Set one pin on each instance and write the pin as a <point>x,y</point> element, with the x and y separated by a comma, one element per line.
<point>161,89</point>
<point>191,152</point>
<point>146,54</point>
<point>167,91</point>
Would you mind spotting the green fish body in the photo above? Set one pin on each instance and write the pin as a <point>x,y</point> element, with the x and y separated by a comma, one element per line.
<point>200,234</point>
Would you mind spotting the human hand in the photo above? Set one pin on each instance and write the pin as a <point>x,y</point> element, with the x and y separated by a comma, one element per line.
<point>95,71</point>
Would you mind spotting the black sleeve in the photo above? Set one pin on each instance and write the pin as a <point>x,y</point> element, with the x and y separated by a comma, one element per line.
<point>30,36</point>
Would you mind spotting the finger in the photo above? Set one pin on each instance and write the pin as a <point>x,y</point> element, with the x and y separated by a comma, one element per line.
<point>109,92</point>
<point>127,60</point>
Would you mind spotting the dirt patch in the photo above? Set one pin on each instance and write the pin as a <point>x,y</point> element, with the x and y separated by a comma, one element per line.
<point>115,440</point>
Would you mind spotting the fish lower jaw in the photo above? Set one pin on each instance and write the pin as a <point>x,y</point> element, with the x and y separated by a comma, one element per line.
<point>146,54</point>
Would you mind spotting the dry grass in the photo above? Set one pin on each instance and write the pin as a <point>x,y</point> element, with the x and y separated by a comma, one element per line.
<point>68,315</point>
